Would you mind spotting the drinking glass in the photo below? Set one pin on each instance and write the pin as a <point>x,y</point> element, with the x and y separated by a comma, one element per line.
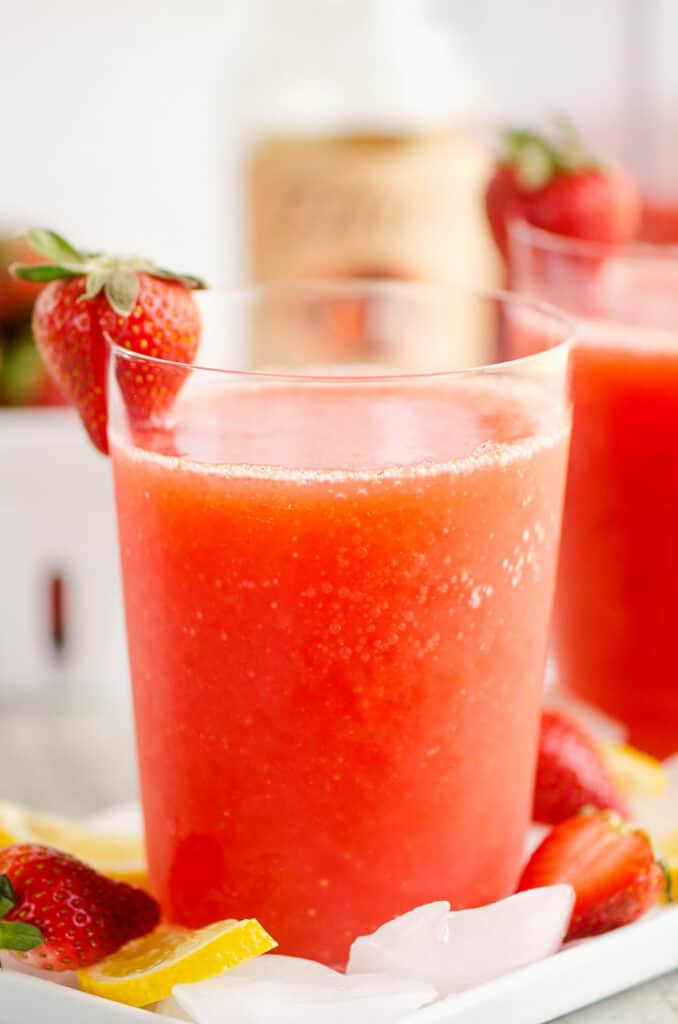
<point>618,578</point>
<point>338,580</point>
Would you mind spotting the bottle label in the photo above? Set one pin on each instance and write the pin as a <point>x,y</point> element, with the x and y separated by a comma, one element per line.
<point>370,207</point>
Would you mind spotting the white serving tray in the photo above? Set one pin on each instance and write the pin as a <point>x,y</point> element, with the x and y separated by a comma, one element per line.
<point>579,975</point>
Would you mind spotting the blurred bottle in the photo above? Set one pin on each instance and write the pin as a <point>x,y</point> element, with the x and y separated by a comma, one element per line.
<point>361,160</point>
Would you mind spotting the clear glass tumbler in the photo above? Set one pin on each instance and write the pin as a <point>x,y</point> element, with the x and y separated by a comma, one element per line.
<point>618,578</point>
<point>338,581</point>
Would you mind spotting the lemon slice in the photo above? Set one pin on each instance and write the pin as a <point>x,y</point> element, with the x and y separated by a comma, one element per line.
<point>634,772</point>
<point>147,969</point>
<point>120,857</point>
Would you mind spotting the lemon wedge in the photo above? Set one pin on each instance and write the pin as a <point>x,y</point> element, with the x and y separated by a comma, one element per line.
<point>147,969</point>
<point>634,772</point>
<point>117,856</point>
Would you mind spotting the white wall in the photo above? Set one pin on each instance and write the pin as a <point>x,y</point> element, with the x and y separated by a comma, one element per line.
<point>118,119</point>
<point>547,55</point>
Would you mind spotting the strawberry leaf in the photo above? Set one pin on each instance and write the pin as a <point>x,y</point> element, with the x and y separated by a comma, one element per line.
<point>7,897</point>
<point>95,281</point>
<point>195,283</point>
<point>43,272</point>
<point>53,247</point>
<point>122,290</point>
<point>533,157</point>
<point>536,159</point>
<point>20,937</point>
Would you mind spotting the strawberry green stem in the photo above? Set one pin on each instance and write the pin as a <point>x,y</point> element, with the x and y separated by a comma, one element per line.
<point>116,276</point>
<point>14,934</point>
<point>668,881</point>
<point>7,897</point>
<point>537,158</point>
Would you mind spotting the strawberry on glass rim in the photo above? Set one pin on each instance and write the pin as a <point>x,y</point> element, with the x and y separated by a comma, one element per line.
<point>556,184</point>
<point>93,298</point>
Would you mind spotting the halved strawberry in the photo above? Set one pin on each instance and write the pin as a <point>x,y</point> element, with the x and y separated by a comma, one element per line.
<point>610,864</point>
<point>58,914</point>
<point>91,298</point>
<point>571,773</point>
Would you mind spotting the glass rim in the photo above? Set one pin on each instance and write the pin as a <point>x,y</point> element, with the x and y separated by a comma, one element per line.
<point>351,287</point>
<point>550,241</point>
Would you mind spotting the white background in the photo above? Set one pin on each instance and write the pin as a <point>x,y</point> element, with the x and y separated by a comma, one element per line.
<point>120,120</point>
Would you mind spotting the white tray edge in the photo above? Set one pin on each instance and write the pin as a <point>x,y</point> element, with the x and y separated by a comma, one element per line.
<point>575,977</point>
<point>24,999</point>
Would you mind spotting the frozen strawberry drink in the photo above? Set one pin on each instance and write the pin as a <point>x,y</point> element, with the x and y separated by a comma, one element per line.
<point>618,577</point>
<point>338,586</point>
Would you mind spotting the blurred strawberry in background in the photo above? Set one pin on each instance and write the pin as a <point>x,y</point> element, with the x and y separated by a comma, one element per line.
<point>555,183</point>
<point>23,378</point>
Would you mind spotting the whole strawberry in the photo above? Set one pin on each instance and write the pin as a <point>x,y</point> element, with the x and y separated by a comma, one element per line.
<point>92,299</point>
<point>557,185</point>
<point>571,773</point>
<point>58,914</point>
<point>610,865</point>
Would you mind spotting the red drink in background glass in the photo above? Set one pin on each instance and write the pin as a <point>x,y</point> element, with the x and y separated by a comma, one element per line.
<point>337,597</point>
<point>660,221</point>
<point>618,577</point>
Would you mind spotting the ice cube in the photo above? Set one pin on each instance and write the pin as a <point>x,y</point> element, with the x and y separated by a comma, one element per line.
<point>288,990</point>
<point>456,950</point>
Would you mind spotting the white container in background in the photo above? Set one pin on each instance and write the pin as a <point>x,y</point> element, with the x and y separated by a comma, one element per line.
<point>59,548</point>
<point>363,155</point>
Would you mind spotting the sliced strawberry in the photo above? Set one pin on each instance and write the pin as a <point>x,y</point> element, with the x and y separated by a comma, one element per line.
<point>93,299</point>
<point>611,866</point>
<point>58,914</point>
<point>571,773</point>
